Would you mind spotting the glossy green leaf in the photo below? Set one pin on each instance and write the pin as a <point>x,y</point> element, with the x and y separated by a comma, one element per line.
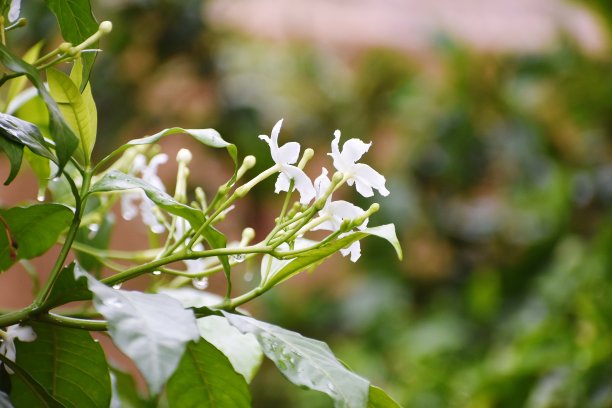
<point>242,350</point>
<point>377,398</point>
<point>306,362</point>
<point>25,133</point>
<point>68,363</point>
<point>68,288</point>
<point>125,391</point>
<point>35,391</point>
<point>18,84</point>
<point>77,23</point>
<point>152,329</point>
<point>65,140</point>
<point>282,270</point>
<point>208,137</point>
<point>14,152</point>
<point>118,181</point>
<point>88,100</point>
<point>34,229</point>
<point>205,379</point>
<point>75,110</point>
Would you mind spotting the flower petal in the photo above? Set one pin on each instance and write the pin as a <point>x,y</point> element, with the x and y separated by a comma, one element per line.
<point>282,183</point>
<point>287,153</point>
<point>23,333</point>
<point>15,10</point>
<point>344,210</point>
<point>366,175</point>
<point>275,132</point>
<point>128,208</point>
<point>353,149</point>
<point>302,183</point>
<point>322,183</point>
<point>354,250</point>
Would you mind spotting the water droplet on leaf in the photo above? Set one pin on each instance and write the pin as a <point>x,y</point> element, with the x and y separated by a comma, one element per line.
<point>156,273</point>
<point>238,258</point>
<point>200,283</point>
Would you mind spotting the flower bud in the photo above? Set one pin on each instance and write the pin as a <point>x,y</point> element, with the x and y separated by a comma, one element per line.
<point>308,154</point>
<point>64,47</point>
<point>247,235</point>
<point>105,27</point>
<point>184,156</point>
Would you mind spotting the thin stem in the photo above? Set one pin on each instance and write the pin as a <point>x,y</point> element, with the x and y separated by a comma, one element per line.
<point>144,255</point>
<point>73,322</point>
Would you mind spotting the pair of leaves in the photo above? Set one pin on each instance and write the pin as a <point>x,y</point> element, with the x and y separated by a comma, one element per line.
<point>284,269</point>
<point>65,140</point>
<point>33,230</point>
<point>67,364</point>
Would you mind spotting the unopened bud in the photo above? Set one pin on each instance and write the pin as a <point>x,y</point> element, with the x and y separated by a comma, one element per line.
<point>105,27</point>
<point>308,154</point>
<point>22,22</point>
<point>249,162</point>
<point>64,47</point>
<point>184,156</point>
<point>337,177</point>
<point>247,235</point>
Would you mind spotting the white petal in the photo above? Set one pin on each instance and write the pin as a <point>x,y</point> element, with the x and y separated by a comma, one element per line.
<point>322,183</point>
<point>344,210</point>
<point>354,250</point>
<point>364,188</point>
<point>8,350</point>
<point>353,149</point>
<point>329,225</point>
<point>282,183</point>
<point>335,153</point>
<point>129,210</point>
<point>14,11</point>
<point>149,218</point>
<point>288,153</point>
<point>367,175</point>
<point>275,131</point>
<point>302,183</point>
<point>23,333</point>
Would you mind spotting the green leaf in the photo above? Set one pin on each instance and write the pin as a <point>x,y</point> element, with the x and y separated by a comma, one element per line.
<point>151,329</point>
<point>208,137</point>
<point>34,389</point>
<point>16,85</point>
<point>68,288</point>
<point>20,131</point>
<point>118,181</point>
<point>76,111</point>
<point>14,152</point>
<point>306,362</point>
<point>65,140</point>
<point>125,391</point>
<point>379,399</point>
<point>68,363</point>
<point>205,379</point>
<point>242,350</point>
<point>77,23</point>
<point>282,270</point>
<point>34,229</point>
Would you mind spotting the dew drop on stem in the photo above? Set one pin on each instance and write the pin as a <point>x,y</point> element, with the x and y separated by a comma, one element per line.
<point>200,283</point>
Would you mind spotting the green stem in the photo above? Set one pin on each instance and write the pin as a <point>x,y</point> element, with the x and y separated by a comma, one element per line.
<point>240,300</point>
<point>73,322</point>
<point>144,255</point>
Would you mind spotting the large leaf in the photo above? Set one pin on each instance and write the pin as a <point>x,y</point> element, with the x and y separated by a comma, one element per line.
<point>77,23</point>
<point>43,398</point>
<point>306,362</point>
<point>68,363</point>
<point>17,84</point>
<point>41,168</point>
<point>151,329</point>
<point>68,288</point>
<point>14,152</point>
<point>75,111</point>
<point>23,132</point>
<point>379,399</point>
<point>242,350</point>
<point>65,140</point>
<point>118,181</point>
<point>284,269</point>
<point>205,379</point>
<point>125,392</point>
<point>34,230</point>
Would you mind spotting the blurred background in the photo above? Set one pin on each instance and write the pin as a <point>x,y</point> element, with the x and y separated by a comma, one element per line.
<point>492,121</point>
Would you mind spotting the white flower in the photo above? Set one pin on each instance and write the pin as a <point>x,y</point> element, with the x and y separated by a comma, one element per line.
<point>7,347</point>
<point>15,10</point>
<point>285,156</point>
<point>148,173</point>
<point>335,212</point>
<point>364,176</point>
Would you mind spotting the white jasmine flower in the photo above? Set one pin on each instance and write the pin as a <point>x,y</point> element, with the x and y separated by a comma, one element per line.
<point>364,176</point>
<point>7,346</point>
<point>15,10</point>
<point>148,173</point>
<point>285,156</point>
<point>335,212</point>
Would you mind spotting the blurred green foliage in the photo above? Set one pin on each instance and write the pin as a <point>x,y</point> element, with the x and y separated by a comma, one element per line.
<point>500,168</point>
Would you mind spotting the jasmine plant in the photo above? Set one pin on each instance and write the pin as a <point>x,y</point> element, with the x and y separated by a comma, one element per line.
<point>192,347</point>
